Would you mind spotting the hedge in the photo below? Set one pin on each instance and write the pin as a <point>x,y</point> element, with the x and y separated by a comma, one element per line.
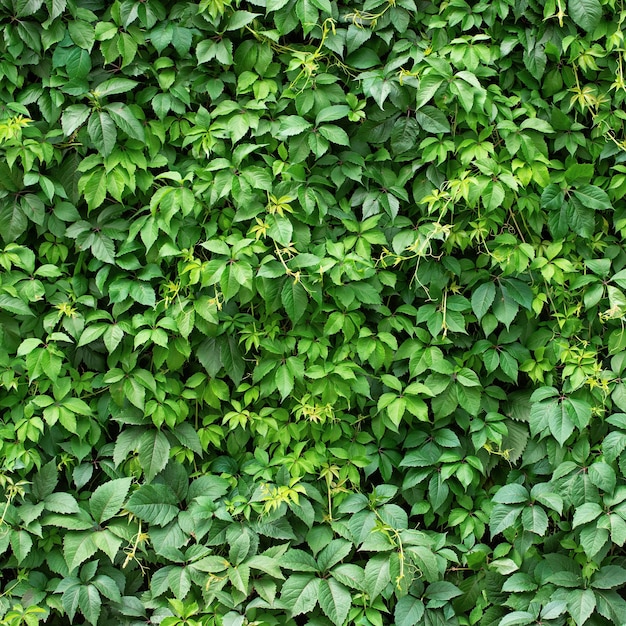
<point>312,312</point>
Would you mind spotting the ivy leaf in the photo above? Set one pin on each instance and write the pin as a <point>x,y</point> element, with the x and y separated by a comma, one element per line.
<point>585,13</point>
<point>335,600</point>
<point>432,120</point>
<point>409,611</point>
<point>377,575</point>
<point>581,604</point>
<point>124,119</point>
<point>78,547</point>
<point>108,499</point>
<point>294,299</point>
<point>155,504</point>
<point>300,593</point>
<point>154,451</point>
<point>102,132</point>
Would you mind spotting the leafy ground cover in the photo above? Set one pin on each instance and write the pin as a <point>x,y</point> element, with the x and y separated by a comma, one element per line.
<point>312,312</point>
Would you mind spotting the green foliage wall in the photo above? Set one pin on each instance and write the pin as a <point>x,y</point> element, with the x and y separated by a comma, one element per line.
<point>312,312</point>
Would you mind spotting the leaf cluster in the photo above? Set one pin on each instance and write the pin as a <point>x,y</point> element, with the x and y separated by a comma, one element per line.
<point>312,312</point>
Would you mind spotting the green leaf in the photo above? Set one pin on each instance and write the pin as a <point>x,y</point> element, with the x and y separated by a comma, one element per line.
<point>13,221</point>
<point>102,132</point>
<point>45,480</point>
<point>294,299</point>
<point>335,600</point>
<point>511,494</point>
<point>154,453</point>
<point>90,603</point>
<point>586,513</point>
<point>585,13</point>
<point>432,120</point>
<point>581,218</point>
<point>428,85</point>
<point>404,134</point>
<point>408,611</point>
<point>593,540</point>
<point>155,504</point>
<point>482,299</point>
<point>114,86</point>
<point>503,517</point>
<point>107,500</point>
<point>281,229</point>
<point>581,604</point>
<point>300,593</point>
<point>21,544</point>
<point>291,125</point>
<point>78,547</point>
<point>377,575</point>
<point>74,116</point>
<point>517,618</point>
<point>609,577</point>
<point>442,590</point>
<point>61,503</point>
<point>94,186</point>
<point>125,120</point>
<point>334,134</point>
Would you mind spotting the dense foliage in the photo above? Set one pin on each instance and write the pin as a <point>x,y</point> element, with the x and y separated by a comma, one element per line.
<point>312,312</point>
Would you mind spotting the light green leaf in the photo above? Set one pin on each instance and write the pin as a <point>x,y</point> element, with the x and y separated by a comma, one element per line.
<point>125,120</point>
<point>335,600</point>
<point>155,504</point>
<point>581,604</point>
<point>377,575</point>
<point>409,611</point>
<point>300,593</point>
<point>107,500</point>
<point>78,547</point>
<point>294,299</point>
<point>154,453</point>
